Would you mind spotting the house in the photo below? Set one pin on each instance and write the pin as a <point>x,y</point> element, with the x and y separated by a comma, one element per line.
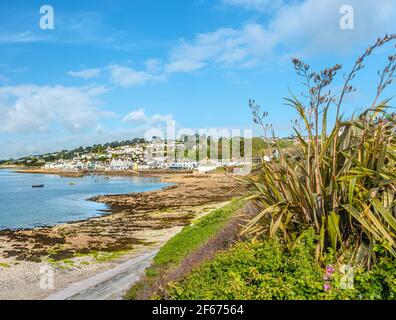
<point>187,165</point>
<point>120,164</point>
<point>143,167</point>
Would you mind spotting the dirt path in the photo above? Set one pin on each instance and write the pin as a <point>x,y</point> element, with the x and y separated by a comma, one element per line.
<point>109,285</point>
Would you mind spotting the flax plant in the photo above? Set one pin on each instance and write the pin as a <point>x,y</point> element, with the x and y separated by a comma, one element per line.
<point>341,182</point>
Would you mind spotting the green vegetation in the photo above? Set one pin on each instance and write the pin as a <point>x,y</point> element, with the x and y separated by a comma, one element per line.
<point>268,270</point>
<point>97,256</point>
<point>104,256</point>
<point>202,147</point>
<point>4,265</point>
<point>185,242</point>
<point>327,226</point>
<point>61,264</point>
<point>39,160</point>
<point>260,270</point>
<point>341,182</point>
<point>194,235</point>
<point>56,257</point>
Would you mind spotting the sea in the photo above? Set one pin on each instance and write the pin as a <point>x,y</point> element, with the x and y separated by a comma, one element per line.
<point>61,199</point>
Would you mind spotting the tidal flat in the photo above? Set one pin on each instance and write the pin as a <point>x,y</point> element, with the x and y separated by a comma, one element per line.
<point>135,223</point>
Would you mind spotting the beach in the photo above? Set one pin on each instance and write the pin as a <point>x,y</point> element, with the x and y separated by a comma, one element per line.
<point>135,224</point>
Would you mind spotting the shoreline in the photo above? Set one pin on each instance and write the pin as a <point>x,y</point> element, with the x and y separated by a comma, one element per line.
<point>104,212</point>
<point>160,174</point>
<point>135,223</point>
<point>122,173</point>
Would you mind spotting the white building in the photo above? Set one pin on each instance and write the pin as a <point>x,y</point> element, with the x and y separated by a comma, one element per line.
<point>120,164</point>
<point>186,165</point>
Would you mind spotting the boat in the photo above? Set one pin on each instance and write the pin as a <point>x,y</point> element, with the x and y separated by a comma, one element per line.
<point>38,186</point>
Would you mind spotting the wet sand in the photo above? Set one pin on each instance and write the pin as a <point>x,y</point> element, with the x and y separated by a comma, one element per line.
<point>134,224</point>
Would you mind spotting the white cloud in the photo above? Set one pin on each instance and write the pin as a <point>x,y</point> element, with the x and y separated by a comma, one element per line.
<point>20,37</point>
<point>259,5</point>
<point>313,26</point>
<point>226,47</point>
<point>128,77</point>
<point>39,144</point>
<point>3,79</point>
<point>33,109</point>
<point>155,71</point>
<point>161,118</point>
<point>183,65</point>
<point>15,148</point>
<point>153,65</point>
<point>85,74</point>
<point>139,117</point>
<point>296,28</point>
<point>100,129</point>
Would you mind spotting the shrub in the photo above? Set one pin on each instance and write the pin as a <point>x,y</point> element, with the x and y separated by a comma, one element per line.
<point>340,182</point>
<point>269,271</point>
<point>258,270</point>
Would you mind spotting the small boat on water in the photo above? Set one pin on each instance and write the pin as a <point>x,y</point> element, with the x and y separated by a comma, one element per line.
<point>38,186</point>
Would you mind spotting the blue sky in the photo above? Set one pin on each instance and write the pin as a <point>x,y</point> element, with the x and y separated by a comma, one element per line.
<point>112,69</point>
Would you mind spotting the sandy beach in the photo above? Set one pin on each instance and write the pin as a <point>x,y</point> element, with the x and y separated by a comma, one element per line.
<point>135,224</point>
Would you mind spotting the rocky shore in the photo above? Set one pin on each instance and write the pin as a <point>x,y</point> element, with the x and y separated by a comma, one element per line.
<point>134,223</point>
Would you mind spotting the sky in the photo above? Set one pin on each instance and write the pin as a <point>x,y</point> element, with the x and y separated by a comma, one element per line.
<point>111,70</point>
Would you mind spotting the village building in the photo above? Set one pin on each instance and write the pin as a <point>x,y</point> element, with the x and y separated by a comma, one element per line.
<point>120,164</point>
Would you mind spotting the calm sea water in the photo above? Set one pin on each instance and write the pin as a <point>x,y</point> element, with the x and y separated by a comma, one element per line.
<point>61,199</point>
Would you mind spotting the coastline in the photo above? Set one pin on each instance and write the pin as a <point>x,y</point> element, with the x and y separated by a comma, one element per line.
<point>63,173</point>
<point>135,223</point>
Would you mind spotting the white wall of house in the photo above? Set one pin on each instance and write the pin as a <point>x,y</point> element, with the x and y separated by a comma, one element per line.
<point>120,164</point>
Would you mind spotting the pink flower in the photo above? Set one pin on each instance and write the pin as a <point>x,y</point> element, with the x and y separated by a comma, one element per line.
<point>329,270</point>
<point>326,287</point>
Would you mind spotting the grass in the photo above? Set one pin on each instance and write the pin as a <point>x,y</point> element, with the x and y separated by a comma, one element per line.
<point>267,270</point>
<point>181,245</point>
<point>192,236</point>
<point>4,265</point>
